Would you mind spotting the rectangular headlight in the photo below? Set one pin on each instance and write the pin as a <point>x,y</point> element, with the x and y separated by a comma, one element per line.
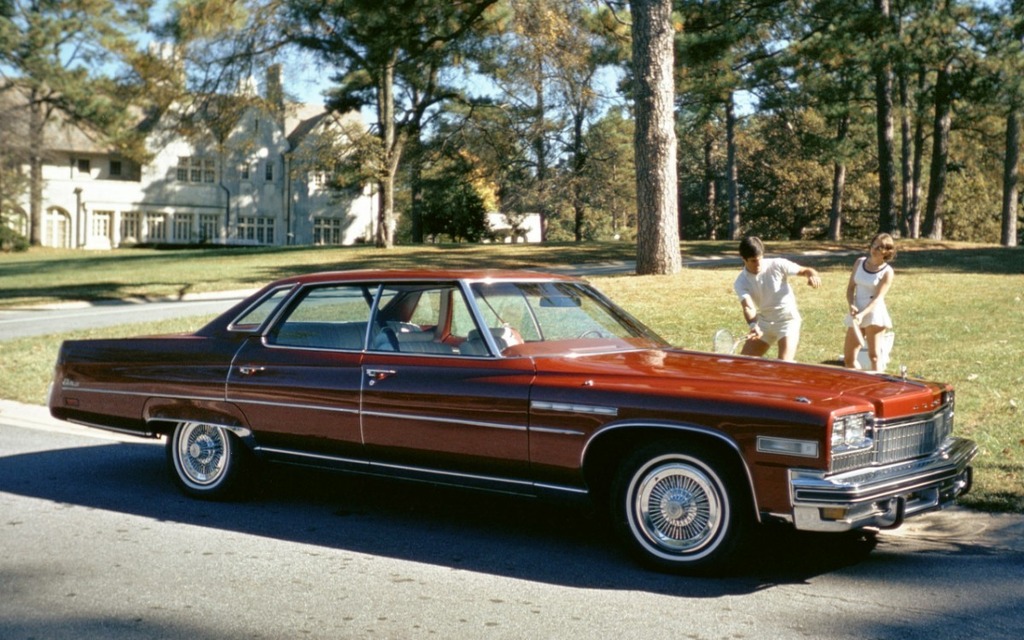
<point>852,433</point>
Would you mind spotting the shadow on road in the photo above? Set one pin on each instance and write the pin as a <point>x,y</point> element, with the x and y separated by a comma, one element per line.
<point>473,531</point>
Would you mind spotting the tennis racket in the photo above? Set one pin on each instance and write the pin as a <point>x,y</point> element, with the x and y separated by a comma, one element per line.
<point>724,342</point>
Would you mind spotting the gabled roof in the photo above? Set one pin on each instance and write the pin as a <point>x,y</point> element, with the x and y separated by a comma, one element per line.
<point>303,119</point>
<point>60,134</point>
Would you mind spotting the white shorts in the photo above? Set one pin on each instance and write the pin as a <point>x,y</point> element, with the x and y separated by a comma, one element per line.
<point>772,332</point>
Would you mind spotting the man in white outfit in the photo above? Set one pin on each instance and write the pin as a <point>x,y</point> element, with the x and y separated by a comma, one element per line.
<point>768,302</point>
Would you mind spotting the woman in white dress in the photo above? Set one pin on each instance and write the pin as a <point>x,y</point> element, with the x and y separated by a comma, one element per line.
<point>871,279</point>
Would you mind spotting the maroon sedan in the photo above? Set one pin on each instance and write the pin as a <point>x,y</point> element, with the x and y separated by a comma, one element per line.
<point>526,383</point>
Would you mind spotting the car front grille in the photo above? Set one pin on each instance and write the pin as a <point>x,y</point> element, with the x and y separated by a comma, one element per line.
<point>900,440</point>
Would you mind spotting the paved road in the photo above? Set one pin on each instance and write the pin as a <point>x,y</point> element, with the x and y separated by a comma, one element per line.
<point>23,323</point>
<point>95,542</point>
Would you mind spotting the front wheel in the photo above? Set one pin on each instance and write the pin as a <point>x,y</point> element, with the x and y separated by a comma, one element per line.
<point>679,509</point>
<point>206,461</point>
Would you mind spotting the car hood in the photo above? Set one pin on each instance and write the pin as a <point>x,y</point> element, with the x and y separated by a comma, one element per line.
<point>740,378</point>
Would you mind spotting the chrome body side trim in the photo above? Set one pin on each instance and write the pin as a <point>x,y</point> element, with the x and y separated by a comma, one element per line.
<point>566,407</point>
<point>148,433</point>
<point>470,423</point>
<point>150,394</point>
<point>293,405</point>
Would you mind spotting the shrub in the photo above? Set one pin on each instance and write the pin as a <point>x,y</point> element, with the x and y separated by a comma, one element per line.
<point>11,240</point>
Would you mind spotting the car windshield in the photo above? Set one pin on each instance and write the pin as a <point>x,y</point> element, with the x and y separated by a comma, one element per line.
<point>558,317</point>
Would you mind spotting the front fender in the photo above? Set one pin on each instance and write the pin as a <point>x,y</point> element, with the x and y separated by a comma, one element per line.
<point>607,445</point>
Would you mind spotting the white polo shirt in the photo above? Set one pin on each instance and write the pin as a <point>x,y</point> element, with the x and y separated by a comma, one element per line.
<point>769,290</point>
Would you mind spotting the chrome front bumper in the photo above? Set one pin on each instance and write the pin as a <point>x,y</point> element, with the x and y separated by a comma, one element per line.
<point>881,496</point>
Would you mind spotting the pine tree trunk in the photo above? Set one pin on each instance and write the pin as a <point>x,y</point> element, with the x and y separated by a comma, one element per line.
<point>835,216</point>
<point>392,154</point>
<point>906,156</point>
<point>710,196</point>
<point>918,162</point>
<point>884,125</point>
<point>1011,177</point>
<point>735,222</point>
<point>37,122</point>
<point>940,156</point>
<point>657,245</point>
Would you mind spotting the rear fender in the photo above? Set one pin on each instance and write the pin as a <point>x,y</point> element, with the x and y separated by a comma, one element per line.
<point>162,414</point>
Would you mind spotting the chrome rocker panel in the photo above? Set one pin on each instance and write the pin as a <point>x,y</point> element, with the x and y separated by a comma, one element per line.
<point>881,496</point>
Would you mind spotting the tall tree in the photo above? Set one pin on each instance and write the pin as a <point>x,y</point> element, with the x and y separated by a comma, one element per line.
<point>827,69</point>
<point>946,32</point>
<point>60,57</point>
<point>1006,58</point>
<point>723,48</point>
<point>657,243</point>
<point>884,43</point>
<point>387,56</point>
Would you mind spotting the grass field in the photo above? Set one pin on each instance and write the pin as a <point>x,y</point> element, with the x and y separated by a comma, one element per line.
<point>958,309</point>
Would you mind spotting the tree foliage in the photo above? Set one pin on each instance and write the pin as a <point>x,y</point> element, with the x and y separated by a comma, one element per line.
<point>71,58</point>
<point>789,118</point>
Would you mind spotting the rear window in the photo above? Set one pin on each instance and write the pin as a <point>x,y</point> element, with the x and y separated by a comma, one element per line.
<point>254,317</point>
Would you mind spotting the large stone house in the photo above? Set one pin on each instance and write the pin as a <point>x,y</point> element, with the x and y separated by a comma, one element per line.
<point>242,190</point>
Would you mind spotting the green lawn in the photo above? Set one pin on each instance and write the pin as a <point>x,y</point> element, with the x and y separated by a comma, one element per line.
<point>958,311</point>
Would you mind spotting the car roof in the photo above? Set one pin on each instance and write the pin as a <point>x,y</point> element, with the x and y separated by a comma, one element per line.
<point>422,275</point>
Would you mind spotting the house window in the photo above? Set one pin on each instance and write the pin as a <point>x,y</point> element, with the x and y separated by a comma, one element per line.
<point>157,226</point>
<point>115,168</point>
<point>196,169</point>
<point>327,231</point>
<point>131,222</point>
<point>84,166</point>
<point>101,223</point>
<point>270,171</point>
<point>208,227</point>
<point>245,171</point>
<point>183,227</point>
<point>256,229</point>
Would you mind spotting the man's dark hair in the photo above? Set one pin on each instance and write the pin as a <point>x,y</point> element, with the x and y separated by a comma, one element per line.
<point>751,247</point>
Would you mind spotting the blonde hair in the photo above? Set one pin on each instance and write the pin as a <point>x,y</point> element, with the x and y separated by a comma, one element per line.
<point>887,244</point>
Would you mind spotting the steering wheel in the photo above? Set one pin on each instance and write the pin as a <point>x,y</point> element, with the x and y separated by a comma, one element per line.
<point>594,332</point>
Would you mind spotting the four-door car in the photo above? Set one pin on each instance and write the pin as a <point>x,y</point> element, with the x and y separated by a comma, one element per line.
<point>526,383</point>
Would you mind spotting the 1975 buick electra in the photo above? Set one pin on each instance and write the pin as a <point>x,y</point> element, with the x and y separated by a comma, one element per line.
<point>527,383</point>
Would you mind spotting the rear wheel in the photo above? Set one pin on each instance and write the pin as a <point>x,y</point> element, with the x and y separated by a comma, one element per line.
<point>207,460</point>
<point>680,509</point>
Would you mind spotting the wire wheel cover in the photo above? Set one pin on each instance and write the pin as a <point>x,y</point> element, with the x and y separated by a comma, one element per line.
<point>202,453</point>
<point>678,508</point>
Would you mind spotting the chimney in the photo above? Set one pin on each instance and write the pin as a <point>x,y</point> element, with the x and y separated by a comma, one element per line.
<point>275,91</point>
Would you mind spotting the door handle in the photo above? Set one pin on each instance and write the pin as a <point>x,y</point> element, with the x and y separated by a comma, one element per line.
<point>248,371</point>
<point>376,375</point>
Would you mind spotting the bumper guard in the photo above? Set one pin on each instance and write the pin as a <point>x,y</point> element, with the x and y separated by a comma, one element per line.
<point>881,496</point>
